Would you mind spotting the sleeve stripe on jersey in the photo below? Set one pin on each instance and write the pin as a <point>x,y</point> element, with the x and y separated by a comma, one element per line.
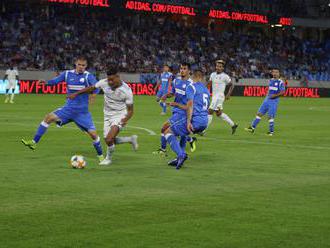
<point>76,87</point>
<point>181,92</point>
<point>66,76</point>
<point>86,78</point>
<point>193,87</point>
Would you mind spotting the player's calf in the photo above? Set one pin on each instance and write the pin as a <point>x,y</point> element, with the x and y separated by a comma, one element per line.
<point>131,140</point>
<point>271,127</point>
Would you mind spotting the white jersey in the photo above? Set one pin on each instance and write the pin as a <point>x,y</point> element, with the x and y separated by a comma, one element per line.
<point>11,74</point>
<point>219,83</point>
<point>115,101</point>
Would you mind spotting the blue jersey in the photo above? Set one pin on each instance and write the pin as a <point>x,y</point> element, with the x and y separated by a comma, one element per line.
<point>165,78</point>
<point>200,95</point>
<point>75,82</point>
<point>179,87</point>
<point>275,87</point>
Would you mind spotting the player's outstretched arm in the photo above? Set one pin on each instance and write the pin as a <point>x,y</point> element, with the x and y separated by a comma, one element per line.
<point>130,112</point>
<point>157,85</point>
<point>175,104</point>
<point>56,80</point>
<point>190,104</point>
<point>83,91</point>
<point>168,95</point>
<point>281,93</point>
<point>230,91</point>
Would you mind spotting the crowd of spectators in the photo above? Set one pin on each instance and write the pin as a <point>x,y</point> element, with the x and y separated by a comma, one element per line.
<point>49,39</point>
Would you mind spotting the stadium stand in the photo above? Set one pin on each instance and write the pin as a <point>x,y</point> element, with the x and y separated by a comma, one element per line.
<point>48,39</point>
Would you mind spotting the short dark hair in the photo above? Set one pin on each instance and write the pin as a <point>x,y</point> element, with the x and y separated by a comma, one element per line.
<point>275,68</point>
<point>81,57</point>
<point>185,64</point>
<point>198,72</point>
<point>112,71</point>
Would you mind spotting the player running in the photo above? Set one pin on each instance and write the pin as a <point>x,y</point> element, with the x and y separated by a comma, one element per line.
<point>194,121</point>
<point>275,90</point>
<point>163,86</point>
<point>75,110</point>
<point>178,90</point>
<point>118,109</point>
<point>219,80</point>
<point>12,77</point>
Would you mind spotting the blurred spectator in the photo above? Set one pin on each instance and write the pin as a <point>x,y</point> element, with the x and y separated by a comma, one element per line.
<point>49,38</point>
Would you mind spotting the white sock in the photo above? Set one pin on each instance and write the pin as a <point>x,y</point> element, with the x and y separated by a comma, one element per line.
<point>209,118</point>
<point>12,97</point>
<point>227,119</point>
<point>110,151</point>
<point>122,140</point>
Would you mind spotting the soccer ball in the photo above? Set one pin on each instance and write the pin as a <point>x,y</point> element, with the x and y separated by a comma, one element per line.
<point>78,162</point>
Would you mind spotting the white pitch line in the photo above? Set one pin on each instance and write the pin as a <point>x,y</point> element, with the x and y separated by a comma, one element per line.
<point>145,129</point>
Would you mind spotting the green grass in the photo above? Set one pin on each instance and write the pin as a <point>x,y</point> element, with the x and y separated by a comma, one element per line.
<point>234,191</point>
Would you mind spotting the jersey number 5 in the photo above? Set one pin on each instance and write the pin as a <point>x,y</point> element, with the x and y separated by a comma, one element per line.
<point>205,101</point>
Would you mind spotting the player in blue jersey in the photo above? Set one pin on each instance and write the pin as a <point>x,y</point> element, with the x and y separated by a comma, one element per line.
<point>75,110</point>
<point>178,90</point>
<point>163,86</point>
<point>275,90</point>
<point>195,120</point>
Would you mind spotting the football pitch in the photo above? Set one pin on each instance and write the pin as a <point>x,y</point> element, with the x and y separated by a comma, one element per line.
<point>235,191</point>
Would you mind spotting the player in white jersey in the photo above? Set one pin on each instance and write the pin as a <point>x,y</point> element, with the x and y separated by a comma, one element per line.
<point>220,80</point>
<point>12,79</point>
<point>118,109</point>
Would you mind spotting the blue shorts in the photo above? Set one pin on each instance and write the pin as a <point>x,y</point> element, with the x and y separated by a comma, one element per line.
<point>179,124</point>
<point>269,106</point>
<point>161,93</point>
<point>176,117</point>
<point>82,119</point>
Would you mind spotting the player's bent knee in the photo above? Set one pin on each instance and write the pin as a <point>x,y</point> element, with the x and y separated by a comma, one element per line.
<point>167,130</point>
<point>109,140</point>
<point>93,134</point>
<point>50,118</point>
<point>165,126</point>
<point>218,112</point>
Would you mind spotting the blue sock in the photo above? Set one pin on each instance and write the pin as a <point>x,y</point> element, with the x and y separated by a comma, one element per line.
<point>271,125</point>
<point>255,122</point>
<point>161,104</point>
<point>97,146</point>
<point>164,107</point>
<point>189,139</point>
<point>163,142</point>
<point>171,139</point>
<point>40,131</point>
<point>183,142</point>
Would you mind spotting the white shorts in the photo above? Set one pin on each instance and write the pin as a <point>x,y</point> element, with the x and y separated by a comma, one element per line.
<point>11,84</point>
<point>110,121</point>
<point>217,103</point>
